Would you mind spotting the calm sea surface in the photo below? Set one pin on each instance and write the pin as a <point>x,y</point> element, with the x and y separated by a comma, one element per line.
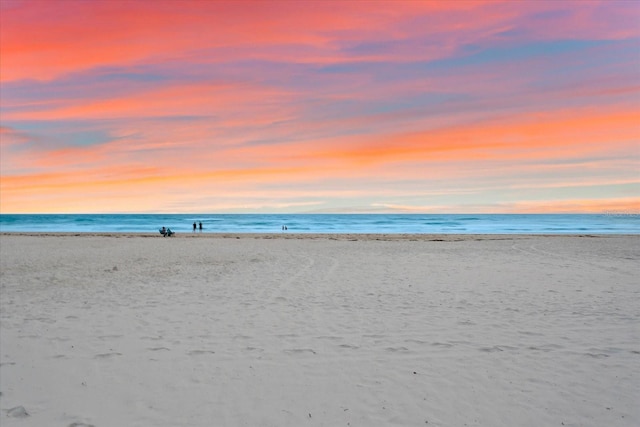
<point>327,223</point>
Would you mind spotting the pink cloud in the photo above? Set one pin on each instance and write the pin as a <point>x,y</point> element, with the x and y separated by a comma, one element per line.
<point>42,40</point>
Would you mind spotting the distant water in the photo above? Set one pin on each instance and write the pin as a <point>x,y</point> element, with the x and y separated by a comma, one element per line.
<point>328,223</point>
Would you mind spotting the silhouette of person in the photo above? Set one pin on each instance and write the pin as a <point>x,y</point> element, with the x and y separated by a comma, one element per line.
<point>194,227</point>
<point>201,226</point>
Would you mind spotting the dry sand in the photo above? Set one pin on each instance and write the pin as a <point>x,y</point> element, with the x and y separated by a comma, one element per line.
<point>291,330</point>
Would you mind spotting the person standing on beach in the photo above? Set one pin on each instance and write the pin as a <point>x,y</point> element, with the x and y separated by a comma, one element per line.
<point>194,226</point>
<point>200,226</point>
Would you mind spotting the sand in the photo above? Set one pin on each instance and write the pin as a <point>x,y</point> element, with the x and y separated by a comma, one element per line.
<point>312,330</point>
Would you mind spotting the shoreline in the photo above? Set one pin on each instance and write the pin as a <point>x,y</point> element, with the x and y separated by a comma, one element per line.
<point>327,236</point>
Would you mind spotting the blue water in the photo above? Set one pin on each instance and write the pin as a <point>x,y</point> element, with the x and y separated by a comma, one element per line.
<point>328,223</point>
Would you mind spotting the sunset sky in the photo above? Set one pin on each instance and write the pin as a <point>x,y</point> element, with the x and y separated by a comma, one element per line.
<point>319,106</point>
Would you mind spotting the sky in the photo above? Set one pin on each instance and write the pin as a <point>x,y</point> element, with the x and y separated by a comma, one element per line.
<point>319,106</point>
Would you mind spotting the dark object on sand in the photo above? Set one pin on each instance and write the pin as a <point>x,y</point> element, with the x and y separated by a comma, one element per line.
<point>166,232</point>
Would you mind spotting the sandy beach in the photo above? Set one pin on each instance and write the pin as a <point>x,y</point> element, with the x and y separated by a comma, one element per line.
<point>319,330</point>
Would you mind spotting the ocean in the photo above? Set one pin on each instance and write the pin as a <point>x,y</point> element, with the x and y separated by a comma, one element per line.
<point>615,223</point>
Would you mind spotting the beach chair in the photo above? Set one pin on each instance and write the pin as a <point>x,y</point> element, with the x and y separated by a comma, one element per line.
<point>170,233</point>
<point>163,232</point>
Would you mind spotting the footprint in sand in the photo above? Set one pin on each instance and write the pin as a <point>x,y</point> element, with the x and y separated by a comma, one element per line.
<point>442,344</point>
<point>329,337</point>
<point>158,349</point>
<point>545,347</point>
<point>414,341</point>
<point>17,412</point>
<point>241,337</point>
<point>493,349</point>
<point>109,337</point>
<point>374,336</point>
<point>299,350</point>
<point>107,355</point>
<point>349,346</point>
<point>200,352</point>
<point>396,349</point>
<point>597,355</point>
<point>497,348</point>
<point>158,338</point>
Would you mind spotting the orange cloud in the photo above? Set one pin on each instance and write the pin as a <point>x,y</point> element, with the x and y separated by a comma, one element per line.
<point>539,140</point>
<point>615,206</point>
<point>525,137</point>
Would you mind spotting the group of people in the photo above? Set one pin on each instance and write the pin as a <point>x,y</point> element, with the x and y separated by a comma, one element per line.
<point>166,232</point>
